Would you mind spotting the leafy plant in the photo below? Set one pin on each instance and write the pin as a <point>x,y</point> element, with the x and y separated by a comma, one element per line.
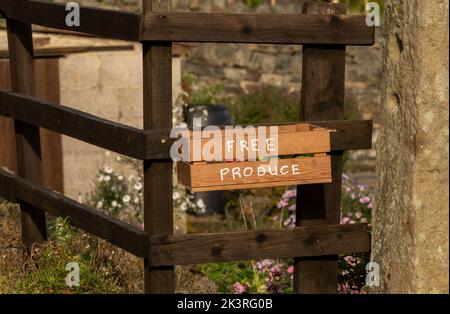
<point>253,3</point>
<point>265,104</point>
<point>195,94</point>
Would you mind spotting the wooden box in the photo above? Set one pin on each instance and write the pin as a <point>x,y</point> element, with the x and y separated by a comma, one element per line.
<point>241,161</point>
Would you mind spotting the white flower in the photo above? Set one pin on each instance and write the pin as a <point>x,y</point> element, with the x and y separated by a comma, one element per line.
<point>183,206</point>
<point>100,178</point>
<point>126,198</point>
<point>108,170</point>
<point>107,178</point>
<point>136,200</point>
<point>99,205</point>
<point>176,195</point>
<point>138,186</point>
<point>131,178</point>
<point>200,204</point>
<point>120,178</point>
<point>119,159</point>
<point>114,203</point>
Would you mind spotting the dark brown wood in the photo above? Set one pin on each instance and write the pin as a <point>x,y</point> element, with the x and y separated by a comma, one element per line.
<point>47,88</point>
<point>71,122</point>
<point>99,22</point>
<point>8,157</point>
<point>322,98</point>
<point>121,234</point>
<point>257,28</point>
<point>62,51</point>
<point>29,165</point>
<point>258,244</point>
<point>158,203</point>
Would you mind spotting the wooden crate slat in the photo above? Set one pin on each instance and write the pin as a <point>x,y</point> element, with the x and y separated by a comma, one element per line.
<point>291,171</point>
<point>100,22</point>
<point>257,28</point>
<point>289,139</point>
<point>82,126</point>
<point>121,234</point>
<point>259,244</point>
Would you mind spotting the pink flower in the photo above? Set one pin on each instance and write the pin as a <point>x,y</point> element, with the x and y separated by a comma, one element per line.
<point>290,269</point>
<point>290,193</point>
<point>370,205</point>
<point>345,220</point>
<point>364,200</point>
<point>358,215</point>
<point>239,288</point>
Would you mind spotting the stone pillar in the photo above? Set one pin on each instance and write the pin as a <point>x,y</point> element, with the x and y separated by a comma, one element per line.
<point>411,218</point>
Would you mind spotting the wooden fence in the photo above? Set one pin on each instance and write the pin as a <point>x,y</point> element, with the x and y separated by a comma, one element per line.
<point>323,29</point>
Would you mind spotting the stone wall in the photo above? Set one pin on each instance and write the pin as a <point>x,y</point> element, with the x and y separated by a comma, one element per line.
<point>411,218</point>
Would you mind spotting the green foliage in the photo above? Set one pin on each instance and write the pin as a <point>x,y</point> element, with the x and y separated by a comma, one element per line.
<point>200,95</point>
<point>253,3</point>
<point>119,196</point>
<point>45,271</point>
<point>226,274</point>
<point>266,104</point>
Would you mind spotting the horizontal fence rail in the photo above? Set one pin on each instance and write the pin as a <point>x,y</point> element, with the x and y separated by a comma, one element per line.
<point>296,242</point>
<point>289,28</point>
<point>80,125</point>
<point>257,28</point>
<point>16,189</point>
<point>94,21</point>
<point>137,143</point>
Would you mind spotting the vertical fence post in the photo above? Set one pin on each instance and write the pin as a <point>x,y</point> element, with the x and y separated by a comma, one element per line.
<point>158,207</point>
<point>322,98</point>
<point>20,45</point>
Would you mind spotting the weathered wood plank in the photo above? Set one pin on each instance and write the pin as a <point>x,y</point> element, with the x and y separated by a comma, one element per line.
<point>82,126</point>
<point>254,174</point>
<point>322,98</point>
<point>257,28</point>
<point>99,22</point>
<point>223,247</point>
<point>121,234</point>
<point>28,144</point>
<point>158,189</point>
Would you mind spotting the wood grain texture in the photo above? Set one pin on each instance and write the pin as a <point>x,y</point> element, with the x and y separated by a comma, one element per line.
<point>8,157</point>
<point>257,28</point>
<point>47,88</point>
<point>71,122</point>
<point>257,142</point>
<point>346,135</point>
<point>158,190</point>
<point>28,145</point>
<point>121,234</point>
<point>259,244</point>
<point>322,98</point>
<point>207,176</point>
<point>99,22</point>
